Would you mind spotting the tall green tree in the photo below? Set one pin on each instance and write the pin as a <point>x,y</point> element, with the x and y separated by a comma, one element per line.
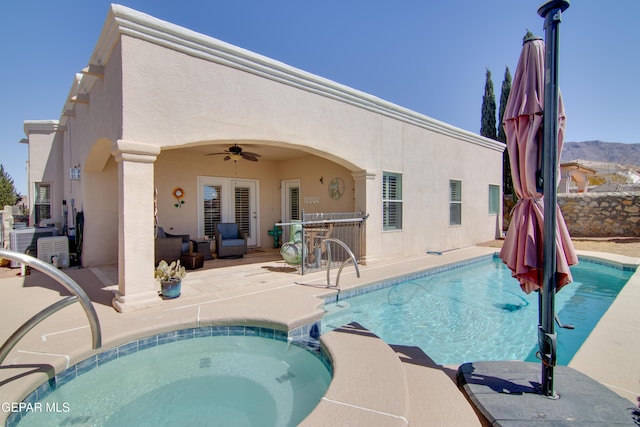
<point>8,194</point>
<point>507,180</point>
<point>504,96</point>
<point>488,125</point>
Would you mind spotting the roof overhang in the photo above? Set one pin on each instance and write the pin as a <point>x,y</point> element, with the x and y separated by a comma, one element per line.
<point>573,166</point>
<point>125,21</point>
<point>41,126</point>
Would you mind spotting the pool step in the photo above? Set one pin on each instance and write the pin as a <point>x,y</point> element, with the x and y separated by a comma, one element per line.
<point>384,385</point>
<point>368,385</point>
<point>434,397</point>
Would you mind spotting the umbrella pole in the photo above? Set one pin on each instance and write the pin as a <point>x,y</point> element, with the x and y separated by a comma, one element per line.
<point>551,11</point>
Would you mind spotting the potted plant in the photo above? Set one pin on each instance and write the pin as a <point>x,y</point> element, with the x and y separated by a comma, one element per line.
<point>170,277</point>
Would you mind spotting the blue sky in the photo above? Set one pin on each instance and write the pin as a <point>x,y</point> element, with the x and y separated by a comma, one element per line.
<point>428,56</point>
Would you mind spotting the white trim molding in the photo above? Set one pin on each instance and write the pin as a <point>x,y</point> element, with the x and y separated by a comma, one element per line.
<point>125,21</point>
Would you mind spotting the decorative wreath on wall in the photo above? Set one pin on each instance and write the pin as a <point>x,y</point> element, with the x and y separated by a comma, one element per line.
<point>178,194</point>
<point>336,188</point>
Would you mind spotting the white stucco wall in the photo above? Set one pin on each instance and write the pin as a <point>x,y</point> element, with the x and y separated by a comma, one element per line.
<point>89,137</point>
<point>45,164</point>
<point>168,87</point>
<point>196,101</point>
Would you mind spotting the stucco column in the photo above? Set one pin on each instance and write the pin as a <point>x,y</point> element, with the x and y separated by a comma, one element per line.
<point>368,199</point>
<point>136,284</point>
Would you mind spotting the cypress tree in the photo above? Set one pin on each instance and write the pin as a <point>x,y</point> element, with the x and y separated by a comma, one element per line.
<point>504,96</point>
<point>507,183</point>
<point>528,35</point>
<point>488,125</point>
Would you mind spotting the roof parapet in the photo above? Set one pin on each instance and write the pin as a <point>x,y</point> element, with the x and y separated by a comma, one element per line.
<point>123,20</point>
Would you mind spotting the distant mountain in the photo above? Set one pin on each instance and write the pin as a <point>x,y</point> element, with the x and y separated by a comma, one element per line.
<point>610,152</point>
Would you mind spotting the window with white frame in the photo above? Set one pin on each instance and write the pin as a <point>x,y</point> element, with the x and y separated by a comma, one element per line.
<point>42,202</point>
<point>494,199</point>
<point>455,202</point>
<point>391,201</point>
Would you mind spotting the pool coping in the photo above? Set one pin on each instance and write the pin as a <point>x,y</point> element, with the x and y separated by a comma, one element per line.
<point>386,283</point>
<point>609,354</point>
<point>623,265</point>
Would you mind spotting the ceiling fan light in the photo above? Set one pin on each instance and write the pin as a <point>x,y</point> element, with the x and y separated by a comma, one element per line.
<point>235,157</point>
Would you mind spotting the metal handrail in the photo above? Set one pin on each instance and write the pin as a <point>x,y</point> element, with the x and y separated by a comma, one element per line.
<point>346,248</point>
<point>321,221</point>
<point>69,284</point>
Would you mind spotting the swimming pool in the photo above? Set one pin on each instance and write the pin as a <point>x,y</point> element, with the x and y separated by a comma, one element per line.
<point>224,375</point>
<point>478,312</point>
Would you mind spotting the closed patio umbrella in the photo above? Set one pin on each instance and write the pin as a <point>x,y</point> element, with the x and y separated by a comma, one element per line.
<point>535,132</point>
<point>523,246</point>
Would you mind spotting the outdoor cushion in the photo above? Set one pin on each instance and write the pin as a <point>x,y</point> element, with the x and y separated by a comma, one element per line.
<point>228,231</point>
<point>160,233</point>
<point>169,247</point>
<point>232,242</point>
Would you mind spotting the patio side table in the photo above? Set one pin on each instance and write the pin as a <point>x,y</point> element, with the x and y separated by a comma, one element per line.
<point>203,247</point>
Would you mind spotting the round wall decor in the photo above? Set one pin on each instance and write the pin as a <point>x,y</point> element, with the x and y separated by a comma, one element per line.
<point>336,188</point>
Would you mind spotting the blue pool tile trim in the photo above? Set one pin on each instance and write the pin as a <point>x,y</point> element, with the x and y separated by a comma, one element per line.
<point>219,330</point>
<point>435,270</point>
<point>608,263</point>
<point>306,337</point>
<point>403,278</point>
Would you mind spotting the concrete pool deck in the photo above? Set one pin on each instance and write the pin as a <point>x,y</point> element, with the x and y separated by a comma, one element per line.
<point>374,384</point>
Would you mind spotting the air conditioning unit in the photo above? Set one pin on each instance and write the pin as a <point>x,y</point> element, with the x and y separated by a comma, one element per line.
<point>24,240</point>
<point>54,250</point>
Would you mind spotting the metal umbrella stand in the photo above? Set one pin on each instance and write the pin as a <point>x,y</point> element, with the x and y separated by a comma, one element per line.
<point>538,250</point>
<point>551,11</point>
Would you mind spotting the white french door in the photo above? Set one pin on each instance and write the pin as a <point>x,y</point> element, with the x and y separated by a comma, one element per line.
<point>228,200</point>
<point>245,208</point>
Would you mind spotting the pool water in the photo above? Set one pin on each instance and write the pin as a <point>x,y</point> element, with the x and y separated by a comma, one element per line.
<point>478,312</point>
<point>219,380</point>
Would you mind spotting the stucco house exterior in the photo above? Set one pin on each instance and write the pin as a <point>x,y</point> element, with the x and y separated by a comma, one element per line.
<point>574,174</point>
<point>156,98</point>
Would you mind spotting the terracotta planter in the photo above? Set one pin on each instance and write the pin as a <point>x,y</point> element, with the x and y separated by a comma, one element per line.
<point>171,288</point>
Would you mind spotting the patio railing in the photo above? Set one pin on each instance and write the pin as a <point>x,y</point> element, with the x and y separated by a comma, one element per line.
<point>347,227</point>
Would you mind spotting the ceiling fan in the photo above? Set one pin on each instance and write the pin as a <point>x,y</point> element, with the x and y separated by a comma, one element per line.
<point>235,153</point>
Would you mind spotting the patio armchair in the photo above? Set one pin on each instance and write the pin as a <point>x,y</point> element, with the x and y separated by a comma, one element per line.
<point>170,247</point>
<point>230,240</point>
